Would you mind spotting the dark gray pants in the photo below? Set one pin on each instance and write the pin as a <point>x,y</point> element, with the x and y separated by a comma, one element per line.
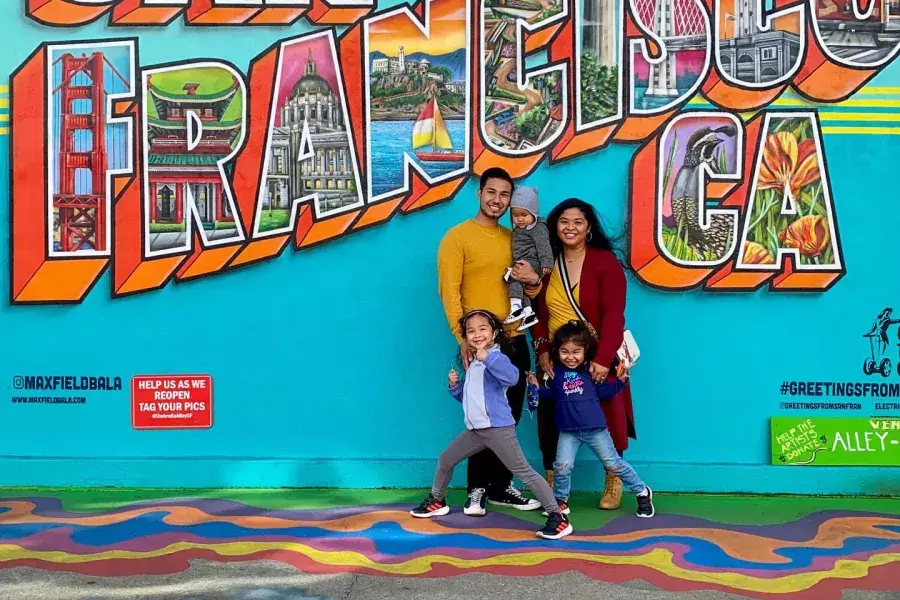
<point>503,442</point>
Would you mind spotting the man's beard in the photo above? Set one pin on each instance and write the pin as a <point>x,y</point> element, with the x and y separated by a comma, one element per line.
<point>484,211</point>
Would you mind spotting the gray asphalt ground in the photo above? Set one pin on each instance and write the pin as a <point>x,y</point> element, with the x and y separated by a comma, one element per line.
<point>269,580</point>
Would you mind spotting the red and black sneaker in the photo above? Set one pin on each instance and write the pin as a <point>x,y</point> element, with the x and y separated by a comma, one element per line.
<point>430,508</point>
<point>557,527</point>
<point>563,508</point>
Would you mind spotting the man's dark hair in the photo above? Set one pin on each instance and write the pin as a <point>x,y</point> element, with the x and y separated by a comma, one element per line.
<point>496,173</point>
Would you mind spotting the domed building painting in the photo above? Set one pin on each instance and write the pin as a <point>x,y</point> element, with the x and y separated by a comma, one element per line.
<point>309,148</point>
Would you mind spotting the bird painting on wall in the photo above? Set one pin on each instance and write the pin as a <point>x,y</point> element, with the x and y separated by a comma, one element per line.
<point>715,239</point>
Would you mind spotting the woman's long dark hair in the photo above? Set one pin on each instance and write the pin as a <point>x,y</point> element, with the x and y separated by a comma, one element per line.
<point>597,236</point>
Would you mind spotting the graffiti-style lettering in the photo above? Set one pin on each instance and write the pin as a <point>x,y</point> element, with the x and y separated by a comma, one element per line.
<point>591,46</point>
<point>790,211</point>
<point>848,46</point>
<point>522,111</point>
<point>68,13</point>
<point>195,174</point>
<point>185,211</point>
<point>418,102</point>
<point>678,241</point>
<point>65,99</point>
<point>310,171</point>
<point>756,54</point>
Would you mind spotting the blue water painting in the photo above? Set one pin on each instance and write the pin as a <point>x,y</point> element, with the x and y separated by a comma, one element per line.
<point>391,139</point>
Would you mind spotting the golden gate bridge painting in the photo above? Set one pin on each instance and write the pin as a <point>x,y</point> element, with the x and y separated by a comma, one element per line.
<point>88,146</point>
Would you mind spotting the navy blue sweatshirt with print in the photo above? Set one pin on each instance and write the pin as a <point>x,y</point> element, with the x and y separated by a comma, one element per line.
<point>578,398</point>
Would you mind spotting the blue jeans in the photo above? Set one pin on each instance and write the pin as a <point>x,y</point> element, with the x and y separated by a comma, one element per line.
<point>601,443</point>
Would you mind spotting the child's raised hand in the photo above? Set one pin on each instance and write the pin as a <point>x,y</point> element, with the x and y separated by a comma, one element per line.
<point>453,378</point>
<point>481,354</point>
<point>622,372</point>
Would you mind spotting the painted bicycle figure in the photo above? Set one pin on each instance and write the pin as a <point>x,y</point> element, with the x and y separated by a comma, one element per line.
<point>878,362</point>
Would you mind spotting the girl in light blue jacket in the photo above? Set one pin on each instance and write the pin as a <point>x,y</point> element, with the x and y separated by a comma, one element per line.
<point>489,423</point>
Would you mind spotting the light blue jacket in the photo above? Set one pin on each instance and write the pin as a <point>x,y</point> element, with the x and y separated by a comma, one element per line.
<point>483,391</point>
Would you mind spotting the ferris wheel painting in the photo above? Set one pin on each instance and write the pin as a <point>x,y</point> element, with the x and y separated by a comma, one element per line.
<point>88,145</point>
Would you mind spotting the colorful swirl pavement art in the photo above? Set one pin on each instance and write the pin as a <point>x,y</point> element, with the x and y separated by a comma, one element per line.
<point>810,558</point>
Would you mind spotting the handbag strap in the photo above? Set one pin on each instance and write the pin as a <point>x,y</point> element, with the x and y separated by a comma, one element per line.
<point>564,275</point>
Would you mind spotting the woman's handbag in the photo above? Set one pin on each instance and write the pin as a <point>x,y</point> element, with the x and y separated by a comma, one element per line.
<point>628,352</point>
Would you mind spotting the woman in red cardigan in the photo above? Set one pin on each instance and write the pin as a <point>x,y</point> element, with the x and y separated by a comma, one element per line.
<point>597,283</point>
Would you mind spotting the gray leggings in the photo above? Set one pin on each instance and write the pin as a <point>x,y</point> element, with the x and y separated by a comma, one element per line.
<point>503,442</point>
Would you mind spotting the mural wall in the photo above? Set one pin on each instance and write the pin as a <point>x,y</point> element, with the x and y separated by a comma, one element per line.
<point>741,148</point>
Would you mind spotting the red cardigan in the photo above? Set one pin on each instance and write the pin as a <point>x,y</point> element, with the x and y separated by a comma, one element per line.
<point>602,301</point>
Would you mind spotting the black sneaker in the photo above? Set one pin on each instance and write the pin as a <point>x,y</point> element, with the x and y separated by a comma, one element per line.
<point>430,508</point>
<point>513,498</point>
<point>557,526</point>
<point>645,508</point>
<point>474,506</point>
<point>563,507</point>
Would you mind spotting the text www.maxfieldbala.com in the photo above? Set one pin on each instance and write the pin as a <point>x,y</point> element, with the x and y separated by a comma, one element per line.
<point>49,400</point>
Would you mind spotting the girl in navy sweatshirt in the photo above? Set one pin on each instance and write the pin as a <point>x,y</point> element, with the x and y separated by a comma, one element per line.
<point>580,418</point>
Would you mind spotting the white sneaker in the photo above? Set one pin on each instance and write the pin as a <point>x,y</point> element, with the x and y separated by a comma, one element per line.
<point>516,315</point>
<point>474,506</point>
<point>528,319</point>
<point>508,275</point>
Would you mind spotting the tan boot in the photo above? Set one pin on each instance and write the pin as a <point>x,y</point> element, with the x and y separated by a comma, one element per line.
<point>548,475</point>
<point>612,494</point>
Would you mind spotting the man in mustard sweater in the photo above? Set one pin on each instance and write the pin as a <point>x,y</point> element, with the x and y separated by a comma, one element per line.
<point>472,259</point>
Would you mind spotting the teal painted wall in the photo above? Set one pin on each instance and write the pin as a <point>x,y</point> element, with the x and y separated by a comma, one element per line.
<point>329,364</point>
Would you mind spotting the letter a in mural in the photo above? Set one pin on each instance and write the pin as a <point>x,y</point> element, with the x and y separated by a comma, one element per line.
<point>417,96</point>
<point>310,157</point>
<point>790,208</point>
<point>71,146</point>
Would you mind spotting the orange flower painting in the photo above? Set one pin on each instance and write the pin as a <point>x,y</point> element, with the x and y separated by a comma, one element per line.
<point>788,163</point>
<point>809,235</point>
<point>757,254</point>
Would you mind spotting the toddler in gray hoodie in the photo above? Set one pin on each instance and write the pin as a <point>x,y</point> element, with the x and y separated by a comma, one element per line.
<point>531,243</point>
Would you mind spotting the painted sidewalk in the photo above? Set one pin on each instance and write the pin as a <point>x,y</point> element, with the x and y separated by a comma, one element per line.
<point>757,547</point>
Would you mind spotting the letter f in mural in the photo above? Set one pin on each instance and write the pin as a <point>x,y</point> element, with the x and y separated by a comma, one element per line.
<point>71,151</point>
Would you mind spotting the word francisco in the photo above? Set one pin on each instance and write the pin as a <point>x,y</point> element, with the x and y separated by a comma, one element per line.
<point>189,169</point>
<point>836,441</point>
<point>171,402</point>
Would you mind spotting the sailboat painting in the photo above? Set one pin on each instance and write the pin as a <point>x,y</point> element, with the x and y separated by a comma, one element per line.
<point>430,130</point>
<point>417,98</point>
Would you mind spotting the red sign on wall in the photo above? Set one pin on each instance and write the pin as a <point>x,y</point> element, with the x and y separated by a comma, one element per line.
<point>171,401</point>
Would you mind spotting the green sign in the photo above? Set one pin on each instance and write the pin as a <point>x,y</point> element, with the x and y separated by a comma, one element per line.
<point>836,441</point>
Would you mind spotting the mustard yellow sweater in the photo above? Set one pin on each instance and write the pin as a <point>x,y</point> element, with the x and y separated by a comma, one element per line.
<point>471,262</point>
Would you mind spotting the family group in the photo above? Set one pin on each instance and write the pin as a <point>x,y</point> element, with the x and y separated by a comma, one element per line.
<point>560,280</point>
